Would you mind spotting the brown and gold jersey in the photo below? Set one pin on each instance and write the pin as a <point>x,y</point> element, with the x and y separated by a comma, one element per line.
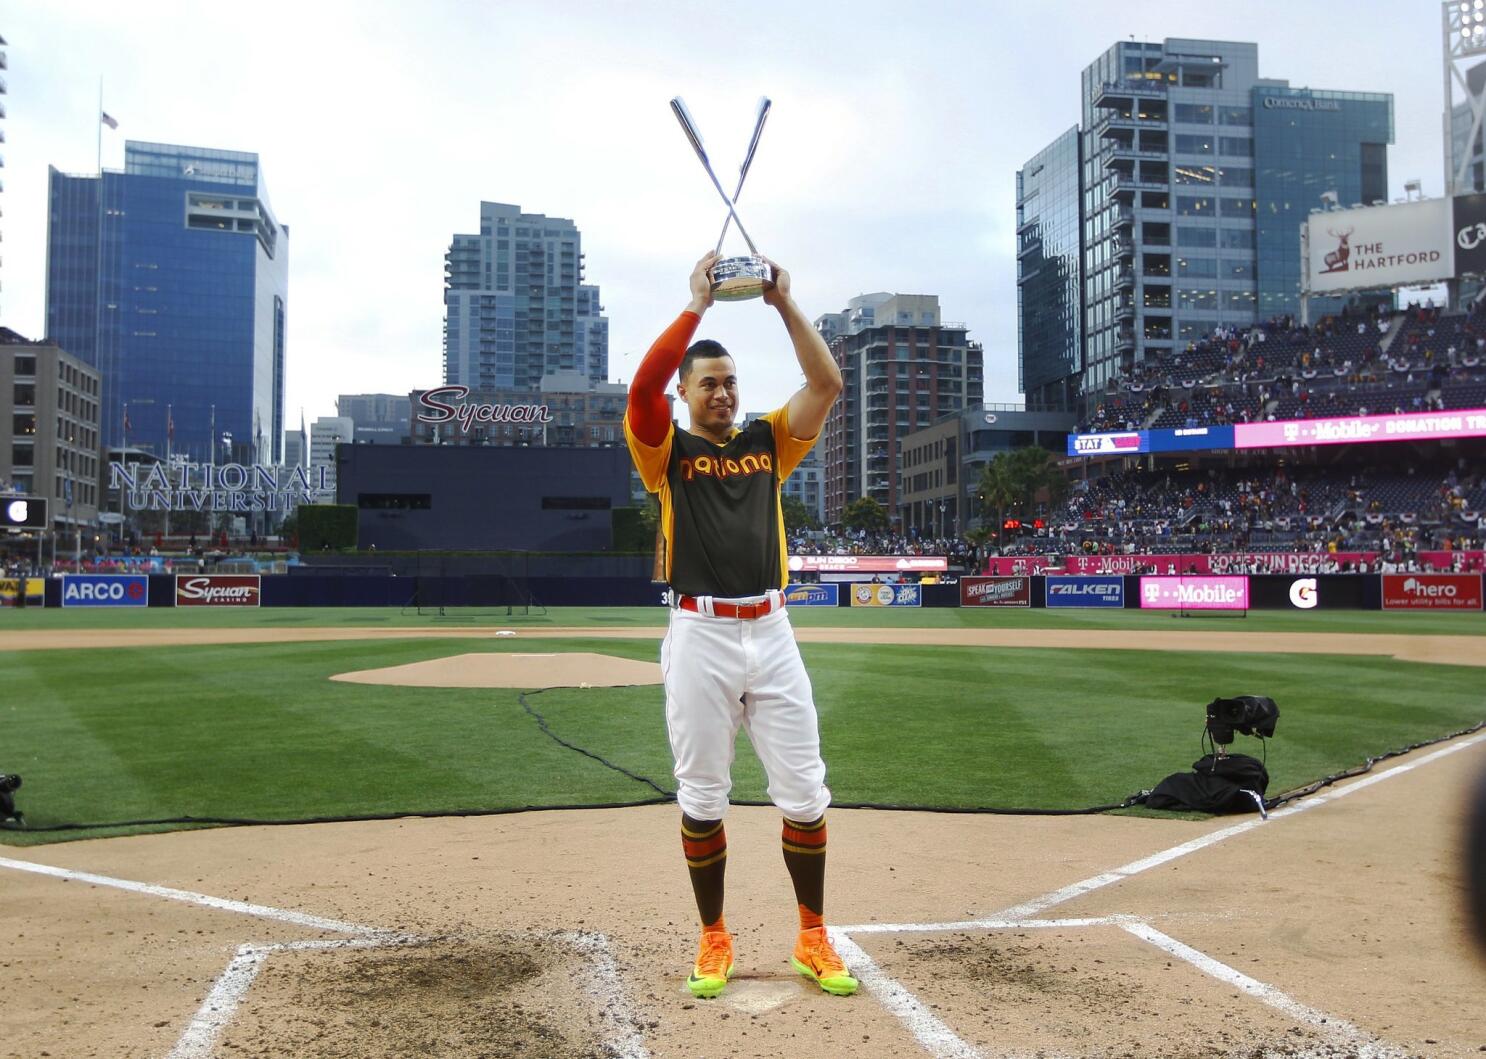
<point>719,505</point>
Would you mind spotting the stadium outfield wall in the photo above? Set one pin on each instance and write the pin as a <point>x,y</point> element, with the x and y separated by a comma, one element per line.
<point>1432,591</point>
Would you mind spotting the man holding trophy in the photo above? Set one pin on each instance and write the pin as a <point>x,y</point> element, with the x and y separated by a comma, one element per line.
<point>729,656</point>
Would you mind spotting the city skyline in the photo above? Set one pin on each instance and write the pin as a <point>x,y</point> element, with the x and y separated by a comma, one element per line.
<point>894,174</point>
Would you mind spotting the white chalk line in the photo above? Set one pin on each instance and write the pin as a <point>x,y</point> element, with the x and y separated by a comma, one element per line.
<point>936,1038</point>
<point>282,915</point>
<point>232,984</point>
<point>1362,1043</point>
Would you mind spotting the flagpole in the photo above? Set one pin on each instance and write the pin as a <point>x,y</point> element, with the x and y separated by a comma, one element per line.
<point>169,464</point>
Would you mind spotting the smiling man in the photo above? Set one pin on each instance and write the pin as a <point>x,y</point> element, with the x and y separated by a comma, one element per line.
<point>729,656</point>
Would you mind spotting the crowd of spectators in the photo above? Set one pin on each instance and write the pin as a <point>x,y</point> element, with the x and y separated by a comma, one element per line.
<point>860,542</point>
<point>1356,363</point>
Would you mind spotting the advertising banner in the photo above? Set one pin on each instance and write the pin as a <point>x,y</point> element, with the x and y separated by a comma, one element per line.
<point>827,595</point>
<point>105,590</point>
<point>1353,430</point>
<point>1194,593</point>
<point>1085,591</point>
<point>1380,246</point>
<point>218,590</point>
<point>868,564</point>
<point>995,591</point>
<point>1431,591</point>
<point>10,591</point>
<point>886,596</point>
<point>1470,234</point>
<point>1107,444</point>
<point>1016,565</point>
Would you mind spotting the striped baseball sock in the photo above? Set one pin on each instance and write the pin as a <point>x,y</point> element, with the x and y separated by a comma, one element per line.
<point>705,844</point>
<point>805,857</point>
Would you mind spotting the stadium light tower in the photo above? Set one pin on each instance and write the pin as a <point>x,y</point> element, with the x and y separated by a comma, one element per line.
<point>1464,26</point>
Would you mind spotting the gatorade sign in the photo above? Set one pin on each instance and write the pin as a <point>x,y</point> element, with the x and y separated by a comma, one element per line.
<point>105,590</point>
<point>1431,591</point>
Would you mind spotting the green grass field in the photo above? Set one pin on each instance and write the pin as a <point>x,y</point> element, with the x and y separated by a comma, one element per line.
<point>259,731</point>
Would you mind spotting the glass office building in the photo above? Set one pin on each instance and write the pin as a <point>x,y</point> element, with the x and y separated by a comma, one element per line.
<point>1049,275</point>
<point>1307,144</point>
<point>515,306</point>
<point>1195,174</point>
<point>181,304</point>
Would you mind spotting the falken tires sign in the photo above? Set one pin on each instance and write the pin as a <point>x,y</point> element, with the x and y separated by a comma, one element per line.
<point>105,590</point>
<point>218,590</point>
<point>1086,592</point>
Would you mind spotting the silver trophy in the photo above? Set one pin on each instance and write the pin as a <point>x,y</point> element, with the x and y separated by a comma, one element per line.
<point>734,279</point>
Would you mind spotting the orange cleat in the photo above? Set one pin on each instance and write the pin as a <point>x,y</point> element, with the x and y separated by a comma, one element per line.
<point>714,966</point>
<point>815,957</point>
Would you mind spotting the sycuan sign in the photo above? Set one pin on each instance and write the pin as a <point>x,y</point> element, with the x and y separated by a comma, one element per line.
<point>440,410</point>
<point>216,486</point>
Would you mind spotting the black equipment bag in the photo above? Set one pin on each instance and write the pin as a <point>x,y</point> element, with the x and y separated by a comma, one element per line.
<point>1215,785</point>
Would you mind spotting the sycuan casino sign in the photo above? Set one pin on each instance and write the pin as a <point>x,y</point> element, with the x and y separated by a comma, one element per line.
<point>441,410</point>
<point>216,487</point>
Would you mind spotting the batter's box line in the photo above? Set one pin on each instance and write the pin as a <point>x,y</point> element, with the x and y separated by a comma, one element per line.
<point>940,1041</point>
<point>604,986</point>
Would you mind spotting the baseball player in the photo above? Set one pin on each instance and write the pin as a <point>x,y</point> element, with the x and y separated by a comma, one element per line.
<point>729,657</point>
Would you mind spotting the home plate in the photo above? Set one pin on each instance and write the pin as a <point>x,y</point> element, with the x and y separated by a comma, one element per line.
<point>498,669</point>
<point>758,995</point>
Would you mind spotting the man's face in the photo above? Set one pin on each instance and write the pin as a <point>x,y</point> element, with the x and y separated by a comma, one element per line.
<point>710,391</point>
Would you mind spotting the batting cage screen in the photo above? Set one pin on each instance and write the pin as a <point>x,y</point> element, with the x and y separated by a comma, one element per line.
<point>445,588</point>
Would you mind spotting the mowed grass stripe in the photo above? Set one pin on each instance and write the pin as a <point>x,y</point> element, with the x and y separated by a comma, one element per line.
<point>261,730</point>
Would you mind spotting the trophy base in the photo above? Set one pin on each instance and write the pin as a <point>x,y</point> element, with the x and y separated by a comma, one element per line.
<point>736,279</point>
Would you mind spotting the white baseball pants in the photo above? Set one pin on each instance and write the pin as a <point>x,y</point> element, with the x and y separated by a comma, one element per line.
<point>724,672</point>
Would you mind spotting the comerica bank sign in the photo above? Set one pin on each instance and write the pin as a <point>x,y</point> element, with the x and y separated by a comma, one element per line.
<point>217,487</point>
<point>1299,103</point>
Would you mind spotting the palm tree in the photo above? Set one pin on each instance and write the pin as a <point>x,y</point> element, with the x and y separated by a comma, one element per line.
<point>998,489</point>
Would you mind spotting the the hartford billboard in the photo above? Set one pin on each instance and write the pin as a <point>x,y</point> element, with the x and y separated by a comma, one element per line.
<point>1400,245</point>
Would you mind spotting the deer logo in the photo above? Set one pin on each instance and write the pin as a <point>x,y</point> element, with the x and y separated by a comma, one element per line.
<point>1336,261</point>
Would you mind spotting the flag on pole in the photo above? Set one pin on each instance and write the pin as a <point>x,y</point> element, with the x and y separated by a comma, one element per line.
<point>169,424</point>
<point>104,117</point>
<point>126,423</point>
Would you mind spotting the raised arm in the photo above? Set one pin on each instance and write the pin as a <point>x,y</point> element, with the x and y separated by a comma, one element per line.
<point>810,404</point>
<point>647,410</point>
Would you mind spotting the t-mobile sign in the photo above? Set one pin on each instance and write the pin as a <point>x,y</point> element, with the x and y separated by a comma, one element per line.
<point>1409,426</point>
<point>1194,593</point>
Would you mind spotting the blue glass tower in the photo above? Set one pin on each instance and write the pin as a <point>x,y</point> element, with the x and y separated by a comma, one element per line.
<point>1308,143</point>
<point>1049,275</point>
<point>181,304</point>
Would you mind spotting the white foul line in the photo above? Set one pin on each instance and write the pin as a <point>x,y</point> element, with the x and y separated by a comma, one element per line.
<point>1031,909</point>
<point>608,991</point>
<point>282,915</point>
<point>1362,1044</point>
<point>220,1004</point>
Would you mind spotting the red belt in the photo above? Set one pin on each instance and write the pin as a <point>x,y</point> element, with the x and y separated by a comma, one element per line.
<point>745,611</point>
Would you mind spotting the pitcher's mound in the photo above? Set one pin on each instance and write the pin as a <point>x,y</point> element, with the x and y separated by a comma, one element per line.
<point>501,670</point>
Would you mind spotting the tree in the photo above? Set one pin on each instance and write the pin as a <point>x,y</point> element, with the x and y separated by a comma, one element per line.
<point>864,514</point>
<point>797,516</point>
<point>998,489</point>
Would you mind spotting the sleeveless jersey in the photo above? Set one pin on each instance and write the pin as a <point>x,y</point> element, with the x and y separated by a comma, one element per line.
<point>720,513</point>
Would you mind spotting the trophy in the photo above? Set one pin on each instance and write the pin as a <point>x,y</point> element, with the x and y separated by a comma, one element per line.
<point>734,279</point>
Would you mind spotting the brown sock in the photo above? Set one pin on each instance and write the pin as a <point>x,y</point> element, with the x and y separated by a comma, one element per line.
<point>705,844</point>
<point>805,857</point>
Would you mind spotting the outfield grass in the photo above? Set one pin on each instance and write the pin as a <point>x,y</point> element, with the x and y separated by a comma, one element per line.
<point>1437,623</point>
<point>259,730</point>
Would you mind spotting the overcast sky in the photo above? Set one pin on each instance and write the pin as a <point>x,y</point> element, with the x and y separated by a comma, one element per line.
<point>889,162</point>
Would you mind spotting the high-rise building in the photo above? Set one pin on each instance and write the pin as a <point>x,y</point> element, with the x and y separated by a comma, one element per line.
<point>516,307</point>
<point>1049,275</point>
<point>181,304</point>
<point>380,418</point>
<point>325,434</point>
<point>4,65</point>
<point>49,405</point>
<point>903,368</point>
<point>1195,175</point>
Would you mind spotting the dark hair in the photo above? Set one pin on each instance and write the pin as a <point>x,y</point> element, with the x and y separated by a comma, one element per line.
<point>706,349</point>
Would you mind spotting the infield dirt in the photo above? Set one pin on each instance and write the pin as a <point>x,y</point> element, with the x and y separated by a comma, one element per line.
<point>1352,908</point>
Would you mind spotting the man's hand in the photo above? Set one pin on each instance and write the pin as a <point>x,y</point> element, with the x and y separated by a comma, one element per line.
<point>778,294</point>
<point>701,283</point>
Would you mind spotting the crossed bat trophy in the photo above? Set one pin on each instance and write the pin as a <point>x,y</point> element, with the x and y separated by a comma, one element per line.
<point>733,278</point>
